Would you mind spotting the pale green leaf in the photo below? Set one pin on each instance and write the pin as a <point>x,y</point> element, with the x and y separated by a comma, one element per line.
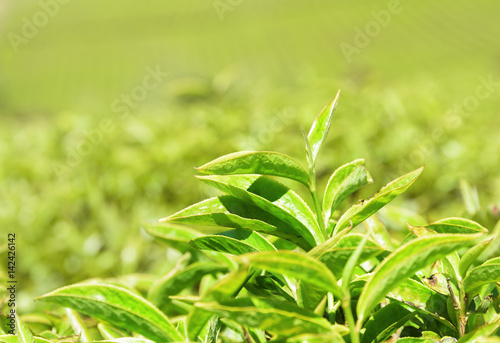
<point>344,181</point>
<point>320,127</point>
<point>77,325</point>
<point>471,255</point>
<point>23,333</point>
<point>403,263</point>
<point>257,162</point>
<point>456,225</point>
<point>365,208</point>
<point>116,305</point>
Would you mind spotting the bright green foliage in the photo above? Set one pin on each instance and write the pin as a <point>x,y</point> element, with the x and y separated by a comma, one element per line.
<point>264,264</point>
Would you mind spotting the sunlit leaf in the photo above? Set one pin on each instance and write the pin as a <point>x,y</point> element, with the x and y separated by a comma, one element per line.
<point>488,272</point>
<point>365,208</point>
<point>344,181</point>
<point>337,255</point>
<point>404,262</point>
<point>257,162</point>
<point>23,333</point>
<point>379,232</point>
<point>471,255</point>
<point>118,306</point>
<point>320,127</point>
<point>295,265</point>
<point>177,280</point>
<point>77,324</point>
<point>274,198</point>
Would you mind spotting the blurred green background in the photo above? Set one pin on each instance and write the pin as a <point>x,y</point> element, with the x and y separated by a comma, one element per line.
<point>106,106</point>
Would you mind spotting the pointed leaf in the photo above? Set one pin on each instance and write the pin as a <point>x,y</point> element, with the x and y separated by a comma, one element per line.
<point>274,198</point>
<point>172,235</point>
<point>177,280</point>
<point>224,289</point>
<point>379,232</point>
<point>488,272</point>
<point>109,332</point>
<point>23,333</point>
<point>365,208</point>
<point>77,325</point>
<point>345,180</point>
<point>118,306</point>
<point>471,255</point>
<point>235,242</point>
<point>481,332</point>
<point>456,225</point>
<point>385,322</point>
<point>296,265</point>
<point>267,314</point>
<point>320,127</point>
<point>403,263</point>
<point>257,162</point>
<point>335,257</point>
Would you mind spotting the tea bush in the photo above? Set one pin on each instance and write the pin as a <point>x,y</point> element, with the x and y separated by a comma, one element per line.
<point>265,264</point>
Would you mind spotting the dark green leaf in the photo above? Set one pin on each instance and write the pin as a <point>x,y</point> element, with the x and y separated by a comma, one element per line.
<point>404,262</point>
<point>365,208</point>
<point>385,322</point>
<point>320,127</point>
<point>257,162</point>
<point>481,332</point>
<point>345,180</point>
<point>118,306</point>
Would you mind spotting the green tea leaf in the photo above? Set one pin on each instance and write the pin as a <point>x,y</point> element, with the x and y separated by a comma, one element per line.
<point>414,340</point>
<point>385,322</point>
<point>257,162</point>
<point>274,198</point>
<point>471,255</point>
<point>118,306</point>
<point>365,208</point>
<point>331,337</point>
<point>403,263</point>
<point>337,255</point>
<point>24,334</point>
<point>344,181</point>
<point>109,332</point>
<point>320,127</point>
<point>126,340</point>
<point>177,280</point>
<point>456,225</point>
<point>172,235</point>
<point>379,232</point>
<point>481,332</point>
<point>77,324</point>
<point>235,242</point>
<point>296,265</point>
<point>16,339</point>
<point>488,272</point>
<point>224,289</point>
<point>267,314</point>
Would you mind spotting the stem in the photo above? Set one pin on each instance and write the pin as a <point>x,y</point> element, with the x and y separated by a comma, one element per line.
<point>317,204</point>
<point>353,329</point>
